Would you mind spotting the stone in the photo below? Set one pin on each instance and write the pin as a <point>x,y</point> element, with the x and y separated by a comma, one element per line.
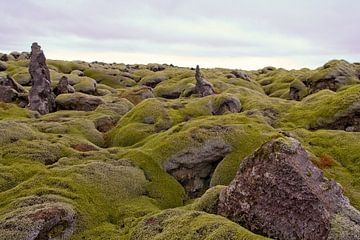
<point>298,90</point>
<point>156,67</point>
<point>104,123</point>
<point>15,54</point>
<point>226,103</point>
<point>77,73</point>
<point>24,56</point>
<point>241,74</point>
<point>203,87</point>
<point>41,97</point>
<point>3,66</point>
<point>278,192</point>
<point>347,119</point>
<point>193,167</point>
<point>9,89</point>
<point>39,218</point>
<point>77,101</point>
<point>4,57</point>
<point>333,75</point>
<point>63,86</point>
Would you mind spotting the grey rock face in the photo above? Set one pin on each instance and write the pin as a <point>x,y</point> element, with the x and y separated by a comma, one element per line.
<point>193,167</point>
<point>203,87</point>
<point>41,97</point>
<point>9,89</point>
<point>63,86</point>
<point>279,193</point>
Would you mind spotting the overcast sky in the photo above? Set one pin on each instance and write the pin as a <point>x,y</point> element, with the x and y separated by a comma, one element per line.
<point>247,34</point>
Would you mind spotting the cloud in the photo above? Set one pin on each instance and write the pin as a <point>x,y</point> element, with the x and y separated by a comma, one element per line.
<point>296,32</point>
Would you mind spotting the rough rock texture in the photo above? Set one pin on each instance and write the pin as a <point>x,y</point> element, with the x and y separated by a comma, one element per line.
<point>77,101</point>
<point>241,75</point>
<point>226,104</point>
<point>63,86</point>
<point>9,89</point>
<point>203,87</point>
<point>298,90</point>
<point>41,97</point>
<point>347,120</point>
<point>156,67</point>
<point>37,219</point>
<point>279,193</point>
<point>193,167</point>
<point>332,75</point>
<point>3,66</point>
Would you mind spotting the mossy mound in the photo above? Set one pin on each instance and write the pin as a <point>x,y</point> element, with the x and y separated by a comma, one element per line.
<point>103,157</point>
<point>170,224</point>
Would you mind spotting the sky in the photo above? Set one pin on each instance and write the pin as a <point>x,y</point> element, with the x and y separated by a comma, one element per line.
<point>240,34</point>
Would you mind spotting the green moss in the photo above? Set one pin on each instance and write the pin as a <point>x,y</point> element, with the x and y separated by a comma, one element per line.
<point>320,108</point>
<point>101,76</point>
<point>208,201</point>
<point>11,111</point>
<point>170,224</point>
<point>66,66</point>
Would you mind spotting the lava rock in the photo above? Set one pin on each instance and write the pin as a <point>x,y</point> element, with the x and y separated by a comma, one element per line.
<point>41,97</point>
<point>241,74</point>
<point>279,193</point>
<point>226,103</point>
<point>333,75</point>
<point>203,87</point>
<point>347,120</point>
<point>9,89</point>
<point>3,66</point>
<point>194,167</point>
<point>63,86</point>
<point>77,101</point>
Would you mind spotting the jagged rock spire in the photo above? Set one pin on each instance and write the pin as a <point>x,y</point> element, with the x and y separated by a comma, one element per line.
<point>41,98</point>
<point>203,87</point>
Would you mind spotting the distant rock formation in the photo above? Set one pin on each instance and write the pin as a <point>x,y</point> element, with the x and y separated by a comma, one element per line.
<point>41,97</point>
<point>63,86</point>
<point>278,192</point>
<point>203,87</point>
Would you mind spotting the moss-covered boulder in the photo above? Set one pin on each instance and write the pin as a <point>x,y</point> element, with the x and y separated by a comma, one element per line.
<point>77,101</point>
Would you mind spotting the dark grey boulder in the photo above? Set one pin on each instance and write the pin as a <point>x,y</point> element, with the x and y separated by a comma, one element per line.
<point>9,89</point>
<point>278,192</point>
<point>63,86</point>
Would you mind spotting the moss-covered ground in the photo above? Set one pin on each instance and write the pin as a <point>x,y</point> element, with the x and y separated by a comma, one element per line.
<point>115,180</point>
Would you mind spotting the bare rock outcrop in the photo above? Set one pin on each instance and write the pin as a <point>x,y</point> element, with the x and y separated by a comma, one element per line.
<point>41,97</point>
<point>63,86</point>
<point>194,167</point>
<point>279,193</point>
<point>9,89</point>
<point>203,87</point>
